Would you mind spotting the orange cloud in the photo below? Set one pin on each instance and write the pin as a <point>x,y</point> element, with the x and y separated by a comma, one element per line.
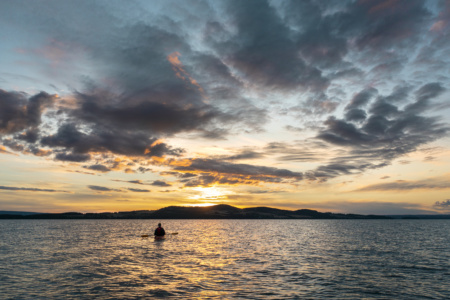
<point>180,72</point>
<point>4,151</point>
<point>438,26</point>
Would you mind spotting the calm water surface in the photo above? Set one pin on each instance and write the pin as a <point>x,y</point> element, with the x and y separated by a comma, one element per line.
<point>225,259</point>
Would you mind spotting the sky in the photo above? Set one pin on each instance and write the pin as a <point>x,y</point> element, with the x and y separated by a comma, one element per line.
<point>337,106</point>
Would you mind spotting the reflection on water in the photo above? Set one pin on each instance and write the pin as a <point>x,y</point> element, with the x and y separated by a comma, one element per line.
<point>279,259</point>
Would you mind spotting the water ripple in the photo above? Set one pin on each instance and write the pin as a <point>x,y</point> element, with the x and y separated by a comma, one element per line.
<point>225,259</point>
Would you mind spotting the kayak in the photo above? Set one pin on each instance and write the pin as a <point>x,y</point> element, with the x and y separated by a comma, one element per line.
<point>159,238</point>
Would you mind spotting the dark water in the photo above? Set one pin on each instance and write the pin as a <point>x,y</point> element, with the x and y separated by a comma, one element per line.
<point>224,259</point>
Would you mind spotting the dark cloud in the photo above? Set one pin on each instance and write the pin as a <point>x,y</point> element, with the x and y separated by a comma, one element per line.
<point>355,114</point>
<point>315,37</point>
<point>341,167</point>
<point>160,183</point>
<point>208,180</point>
<point>242,169</point>
<point>162,86</point>
<point>216,171</point>
<point>429,158</point>
<point>263,50</point>
<point>73,157</point>
<point>166,114</point>
<point>13,145</point>
<point>99,168</point>
<point>245,154</point>
<point>143,169</point>
<point>326,34</point>
<point>301,156</point>
<point>342,133</point>
<point>387,132</point>
<point>299,153</point>
<point>18,112</point>
<point>187,175</point>
<point>380,25</point>
<point>139,190</point>
<point>114,140</point>
<point>11,188</point>
<point>263,192</point>
<point>361,99</point>
<point>293,128</point>
<point>445,205</point>
<point>423,97</point>
<point>102,188</point>
<point>132,181</point>
<point>38,151</point>
<point>29,136</point>
<point>383,108</point>
<point>399,94</point>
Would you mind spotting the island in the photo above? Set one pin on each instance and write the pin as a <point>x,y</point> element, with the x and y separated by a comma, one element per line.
<point>220,211</point>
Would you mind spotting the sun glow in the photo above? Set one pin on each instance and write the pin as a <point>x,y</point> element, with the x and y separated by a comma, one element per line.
<point>210,193</point>
<point>201,204</point>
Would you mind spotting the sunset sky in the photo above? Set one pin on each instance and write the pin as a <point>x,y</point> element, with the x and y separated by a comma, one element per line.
<point>338,106</point>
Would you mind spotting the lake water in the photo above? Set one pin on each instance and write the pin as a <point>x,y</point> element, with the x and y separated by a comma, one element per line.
<point>225,259</point>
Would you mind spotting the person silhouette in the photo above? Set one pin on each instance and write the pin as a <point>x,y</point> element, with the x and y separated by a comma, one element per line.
<point>159,232</point>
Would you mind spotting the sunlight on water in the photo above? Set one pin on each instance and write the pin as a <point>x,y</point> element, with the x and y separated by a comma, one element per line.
<point>253,259</point>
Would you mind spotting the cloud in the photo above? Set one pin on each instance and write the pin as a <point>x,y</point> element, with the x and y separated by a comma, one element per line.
<point>117,141</point>
<point>306,151</point>
<point>217,171</point>
<point>73,157</point>
<point>442,205</point>
<point>160,183</point>
<point>355,114</point>
<point>423,96</point>
<point>152,90</point>
<point>4,151</point>
<point>262,49</point>
<point>388,132</point>
<point>159,112</point>
<point>19,112</point>
<point>314,59</point>
<point>11,188</point>
<point>245,154</point>
<point>137,181</point>
<point>139,190</point>
<point>102,188</point>
<point>29,136</point>
<point>403,185</point>
<point>376,25</point>
<point>100,168</point>
<point>361,99</point>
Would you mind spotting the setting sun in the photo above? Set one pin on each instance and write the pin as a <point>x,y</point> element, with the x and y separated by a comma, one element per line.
<point>210,193</point>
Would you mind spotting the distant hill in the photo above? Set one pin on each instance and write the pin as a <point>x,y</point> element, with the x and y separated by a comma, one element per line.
<point>220,211</point>
<point>422,217</point>
<point>22,213</point>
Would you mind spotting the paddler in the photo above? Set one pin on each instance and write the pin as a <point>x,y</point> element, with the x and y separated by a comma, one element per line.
<point>159,231</point>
